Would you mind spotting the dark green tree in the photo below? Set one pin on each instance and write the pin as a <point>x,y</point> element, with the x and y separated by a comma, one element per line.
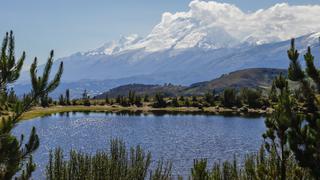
<point>175,102</point>
<point>159,101</point>
<point>251,97</point>
<point>138,101</point>
<point>107,101</point>
<point>68,102</point>
<point>229,98</point>
<point>146,98</point>
<point>278,124</point>
<point>304,134</point>
<point>16,155</point>
<point>273,93</point>
<point>62,101</point>
<point>132,97</point>
<point>12,97</point>
<point>86,98</point>
<point>209,98</point>
<point>44,101</point>
<point>9,67</point>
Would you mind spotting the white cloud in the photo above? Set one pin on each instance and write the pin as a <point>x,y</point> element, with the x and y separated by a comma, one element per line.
<point>212,24</point>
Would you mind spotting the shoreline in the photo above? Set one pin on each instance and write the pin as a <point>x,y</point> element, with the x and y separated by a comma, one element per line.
<point>40,112</point>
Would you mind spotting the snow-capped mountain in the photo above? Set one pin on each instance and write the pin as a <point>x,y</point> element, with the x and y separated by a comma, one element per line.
<point>212,25</point>
<point>203,43</point>
<point>180,66</point>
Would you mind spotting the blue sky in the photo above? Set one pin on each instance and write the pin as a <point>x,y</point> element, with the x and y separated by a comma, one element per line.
<point>69,26</point>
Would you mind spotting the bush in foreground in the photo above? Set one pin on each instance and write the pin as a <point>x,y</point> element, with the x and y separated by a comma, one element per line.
<point>118,163</point>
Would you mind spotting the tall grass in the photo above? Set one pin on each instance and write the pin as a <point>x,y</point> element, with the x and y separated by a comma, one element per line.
<point>118,164</point>
<point>113,165</point>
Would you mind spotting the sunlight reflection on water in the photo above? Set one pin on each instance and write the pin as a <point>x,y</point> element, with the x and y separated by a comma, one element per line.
<point>179,138</point>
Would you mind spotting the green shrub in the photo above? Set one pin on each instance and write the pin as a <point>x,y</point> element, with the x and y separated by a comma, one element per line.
<point>118,163</point>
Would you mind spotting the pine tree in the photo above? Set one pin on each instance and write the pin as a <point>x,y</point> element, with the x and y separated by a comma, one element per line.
<point>68,97</point>
<point>12,98</point>
<point>229,97</point>
<point>138,101</point>
<point>146,98</point>
<point>86,98</point>
<point>251,97</point>
<point>159,101</point>
<point>278,124</point>
<point>107,101</point>
<point>273,93</point>
<point>44,101</point>
<point>16,155</point>
<point>61,100</point>
<point>209,98</point>
<point>131,97</point>
<point>304,135</point>
<point>175,102</point>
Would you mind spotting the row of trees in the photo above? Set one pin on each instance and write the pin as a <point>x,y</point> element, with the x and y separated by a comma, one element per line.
<point>229,97</point>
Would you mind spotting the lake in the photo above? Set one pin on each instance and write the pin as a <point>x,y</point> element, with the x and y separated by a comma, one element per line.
<point>179,138</point>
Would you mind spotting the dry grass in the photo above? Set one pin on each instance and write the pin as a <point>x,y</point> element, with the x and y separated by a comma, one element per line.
<point>40,112</point>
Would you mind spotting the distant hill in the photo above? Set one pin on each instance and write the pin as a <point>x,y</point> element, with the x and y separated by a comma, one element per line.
<point>253,78</point>
<point>142,89</point>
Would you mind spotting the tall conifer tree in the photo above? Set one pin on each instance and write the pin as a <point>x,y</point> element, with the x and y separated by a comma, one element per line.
<point>16,154</point>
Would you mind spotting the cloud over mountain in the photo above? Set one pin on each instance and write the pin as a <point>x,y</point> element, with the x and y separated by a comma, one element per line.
<point>214,25</point>
<point>200,44</point>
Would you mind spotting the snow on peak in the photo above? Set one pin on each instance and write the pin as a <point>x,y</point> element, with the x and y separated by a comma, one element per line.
<point>116,46</point>
<point>213,25</point>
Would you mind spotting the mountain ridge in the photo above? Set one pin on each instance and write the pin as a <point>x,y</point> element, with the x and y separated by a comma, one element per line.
<point>249,78</point>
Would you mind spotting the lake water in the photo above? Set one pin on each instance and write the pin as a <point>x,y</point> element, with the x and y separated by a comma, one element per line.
<point>179,138</point>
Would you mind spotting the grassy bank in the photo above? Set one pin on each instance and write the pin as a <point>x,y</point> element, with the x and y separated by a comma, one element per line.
<point>40,112</point>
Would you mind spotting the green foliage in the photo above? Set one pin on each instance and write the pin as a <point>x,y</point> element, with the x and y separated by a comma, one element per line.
<point>273,93</point>
<point>45,101</point>
<point>61,100</point>
<point>118,163</point>
<point>159,101</point>
<point>295,73</point>
<point>107,101</point>
<point>138,101</point>
<point>16,155</point>
<point>163,171</point>
<point>132,100</point>
<point>175,102</point>
<point>199,170</point>
<point>209,98</point>
<point>229,98</point>
<point>304,134</point>
<point>256,166</point>
<point>40,84</point>
<point>278,124</point>
<point>68,97</point>
<point>9,68</point>
<point>251,97</point>
<point>86,98</point>
<point>146,98</point>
